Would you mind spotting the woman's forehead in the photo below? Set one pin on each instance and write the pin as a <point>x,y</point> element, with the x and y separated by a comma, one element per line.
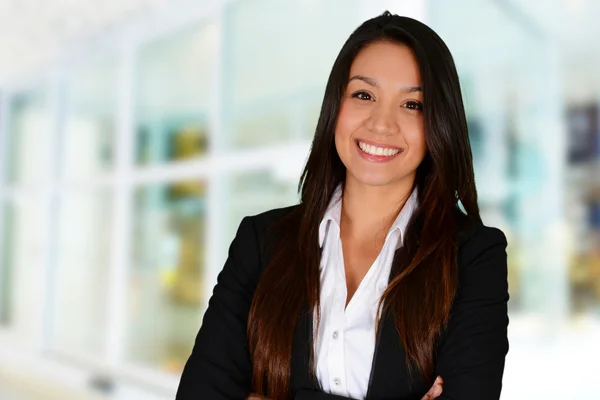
<point>387,63</point>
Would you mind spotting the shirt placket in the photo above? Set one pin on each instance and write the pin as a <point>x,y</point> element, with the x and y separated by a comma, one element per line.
<point>337,358</point>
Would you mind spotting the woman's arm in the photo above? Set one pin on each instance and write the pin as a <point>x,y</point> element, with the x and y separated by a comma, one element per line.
<point>219,367</point>
<point>471,352</point>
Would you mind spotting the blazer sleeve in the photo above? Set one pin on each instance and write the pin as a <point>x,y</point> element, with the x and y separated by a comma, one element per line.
<point>472,350</point>
<point>219,367</point>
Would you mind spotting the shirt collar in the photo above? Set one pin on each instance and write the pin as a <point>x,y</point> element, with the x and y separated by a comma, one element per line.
<point>334,212</point>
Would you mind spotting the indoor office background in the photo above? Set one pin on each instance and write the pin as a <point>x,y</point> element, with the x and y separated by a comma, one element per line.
<point>134,136</point>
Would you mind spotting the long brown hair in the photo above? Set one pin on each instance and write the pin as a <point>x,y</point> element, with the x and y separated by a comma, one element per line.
<point>424,271</point>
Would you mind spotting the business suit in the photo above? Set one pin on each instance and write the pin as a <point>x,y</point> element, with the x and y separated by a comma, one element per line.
<point>469,354</point>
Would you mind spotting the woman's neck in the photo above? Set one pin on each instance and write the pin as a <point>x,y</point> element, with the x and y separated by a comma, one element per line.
<point>369,211</point>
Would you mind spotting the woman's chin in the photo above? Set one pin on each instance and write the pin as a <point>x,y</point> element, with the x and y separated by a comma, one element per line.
<point>373,178</point>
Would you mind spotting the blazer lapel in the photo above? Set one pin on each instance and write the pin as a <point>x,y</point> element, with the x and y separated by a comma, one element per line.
<point>377,347</point>
<point>389,372</point>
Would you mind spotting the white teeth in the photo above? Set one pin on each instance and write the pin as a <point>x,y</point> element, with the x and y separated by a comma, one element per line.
<point>377,151</point>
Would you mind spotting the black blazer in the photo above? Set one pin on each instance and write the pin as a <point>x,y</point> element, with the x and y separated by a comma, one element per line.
<point>470,353</point>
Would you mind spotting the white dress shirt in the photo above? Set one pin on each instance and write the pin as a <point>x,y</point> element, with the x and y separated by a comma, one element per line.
<point>345,342</point>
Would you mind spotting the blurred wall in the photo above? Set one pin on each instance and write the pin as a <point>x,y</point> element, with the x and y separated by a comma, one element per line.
<point>135,135</point>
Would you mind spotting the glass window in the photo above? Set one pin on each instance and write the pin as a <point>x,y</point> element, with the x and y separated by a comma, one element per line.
<point>6,270</point>
<point>90,121</point>
<point>22,262</point>
<point>174,91</point>
<point>83,248</point>
<point>166,295</point>
<point>275,71</point>
<point>29,138</point>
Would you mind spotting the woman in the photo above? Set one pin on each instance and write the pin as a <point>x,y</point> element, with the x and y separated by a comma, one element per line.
<point>383,281</point>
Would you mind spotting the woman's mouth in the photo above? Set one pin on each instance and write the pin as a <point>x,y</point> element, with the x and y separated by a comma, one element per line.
<point>373,152</point>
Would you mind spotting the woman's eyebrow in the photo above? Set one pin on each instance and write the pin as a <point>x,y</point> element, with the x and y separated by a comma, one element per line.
<point>373,82</point>
<point>365,79</point>
<point>411,89</point>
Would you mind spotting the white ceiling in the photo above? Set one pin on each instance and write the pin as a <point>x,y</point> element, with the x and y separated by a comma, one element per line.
<point>34,31</point>
<point>574,22</point>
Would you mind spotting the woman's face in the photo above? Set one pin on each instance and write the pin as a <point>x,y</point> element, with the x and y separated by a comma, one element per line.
<point>380,135</point>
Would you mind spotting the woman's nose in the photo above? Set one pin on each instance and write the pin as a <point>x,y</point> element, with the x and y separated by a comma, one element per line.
<point>383,121</point>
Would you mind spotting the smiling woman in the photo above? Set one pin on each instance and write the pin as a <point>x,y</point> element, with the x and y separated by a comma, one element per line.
<point>380,119</point>
<point>383,282</point>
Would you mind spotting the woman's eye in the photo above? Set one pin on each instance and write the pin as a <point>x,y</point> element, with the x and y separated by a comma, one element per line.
<point>413,105</point>
<point>362,96</point>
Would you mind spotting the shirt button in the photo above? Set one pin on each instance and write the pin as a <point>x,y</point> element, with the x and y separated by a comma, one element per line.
<point>335,335</point>
<point>337,381</point>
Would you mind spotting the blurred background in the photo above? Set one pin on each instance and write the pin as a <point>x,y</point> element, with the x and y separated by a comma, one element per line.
<point>135,135</point>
